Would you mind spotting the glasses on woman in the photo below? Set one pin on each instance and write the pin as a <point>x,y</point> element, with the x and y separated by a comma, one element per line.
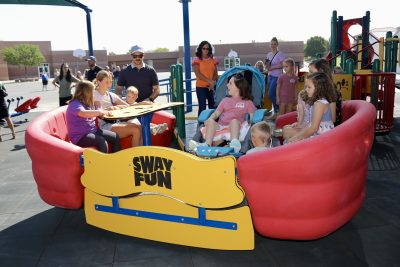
<point>206,48</point>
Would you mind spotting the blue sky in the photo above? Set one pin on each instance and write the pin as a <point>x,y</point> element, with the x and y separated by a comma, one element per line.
<point>119,24</point>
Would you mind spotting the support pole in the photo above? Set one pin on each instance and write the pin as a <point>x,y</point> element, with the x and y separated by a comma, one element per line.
<point>186,49</point>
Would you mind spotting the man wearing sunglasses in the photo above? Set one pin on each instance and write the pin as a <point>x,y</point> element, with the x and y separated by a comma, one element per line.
<point>140,75</point>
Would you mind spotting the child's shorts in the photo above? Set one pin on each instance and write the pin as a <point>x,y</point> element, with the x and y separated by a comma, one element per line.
<point>223,132</point>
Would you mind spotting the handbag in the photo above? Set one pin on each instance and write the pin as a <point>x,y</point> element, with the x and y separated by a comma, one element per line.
<point>3,91</point>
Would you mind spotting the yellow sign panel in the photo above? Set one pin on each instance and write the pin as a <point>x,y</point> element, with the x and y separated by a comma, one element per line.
<point>167,195</point>
<point>344,83</point>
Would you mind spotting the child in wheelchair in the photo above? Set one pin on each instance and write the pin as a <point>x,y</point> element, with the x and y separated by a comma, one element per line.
<point>228,122</point>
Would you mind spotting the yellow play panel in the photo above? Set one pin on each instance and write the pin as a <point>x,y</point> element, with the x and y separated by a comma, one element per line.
<point>167,195</point>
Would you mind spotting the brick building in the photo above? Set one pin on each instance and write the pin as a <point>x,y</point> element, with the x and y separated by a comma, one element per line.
<point>248,53</point>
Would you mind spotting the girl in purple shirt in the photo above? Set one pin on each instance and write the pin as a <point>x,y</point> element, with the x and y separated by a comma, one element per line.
<point>81,121</point>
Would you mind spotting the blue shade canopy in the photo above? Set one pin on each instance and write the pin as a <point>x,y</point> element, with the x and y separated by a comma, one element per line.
<point>44,2</point>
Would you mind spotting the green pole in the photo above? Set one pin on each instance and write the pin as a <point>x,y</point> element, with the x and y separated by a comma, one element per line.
<point>333,38</point>
<point>180,118</point>
<point>343,55</point>
<point>172,82</point>
<point>349,67</point>
<point>365,39</point>
<point>375,69</point>
<point>388,50</point>
<point>395,47</point>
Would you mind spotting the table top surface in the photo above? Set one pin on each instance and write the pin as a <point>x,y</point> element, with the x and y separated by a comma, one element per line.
<point>139,110</point>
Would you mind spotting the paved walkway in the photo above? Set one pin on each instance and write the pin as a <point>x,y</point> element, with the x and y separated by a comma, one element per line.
<point>33,233</point>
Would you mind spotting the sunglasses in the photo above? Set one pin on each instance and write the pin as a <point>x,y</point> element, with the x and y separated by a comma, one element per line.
<point>206,48</point>
<point>137,56</point>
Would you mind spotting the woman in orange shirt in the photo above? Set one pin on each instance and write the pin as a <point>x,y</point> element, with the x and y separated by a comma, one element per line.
<point>205,68</point>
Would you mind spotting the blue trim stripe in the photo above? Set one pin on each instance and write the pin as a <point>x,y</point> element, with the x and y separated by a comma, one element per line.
<point>201,221</point>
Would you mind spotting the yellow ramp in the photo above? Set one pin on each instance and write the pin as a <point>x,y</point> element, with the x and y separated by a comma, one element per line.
<point>187,200</point>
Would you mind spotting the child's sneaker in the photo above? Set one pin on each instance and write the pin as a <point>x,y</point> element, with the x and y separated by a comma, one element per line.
<point>235,144</point>
<point>159,128</point>
<point>193,145</point>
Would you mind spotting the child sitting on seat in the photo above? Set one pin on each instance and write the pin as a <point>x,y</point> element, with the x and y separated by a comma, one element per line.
<point>231,115</point>
<point>81,121</point>
<point>303,115</point>
<point>320,92</point>
<point>132,94</point>
<point>260,137</point>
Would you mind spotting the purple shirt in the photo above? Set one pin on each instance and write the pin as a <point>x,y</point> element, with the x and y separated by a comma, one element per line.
<point>77,126</point>
<point>278,59</point>
<point>234,108</point>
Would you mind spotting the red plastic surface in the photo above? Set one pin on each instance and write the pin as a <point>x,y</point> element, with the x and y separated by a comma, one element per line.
<point>56,162</point>
<point>34,103</point>
<point>307,190</point>
<point>24,107</point>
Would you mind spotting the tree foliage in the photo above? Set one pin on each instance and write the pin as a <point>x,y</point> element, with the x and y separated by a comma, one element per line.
<point>316,46</point>
<point>23,55</point>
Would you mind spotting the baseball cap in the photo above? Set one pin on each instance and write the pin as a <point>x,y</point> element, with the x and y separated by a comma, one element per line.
<point>92,58</point>
<point>137,49</point>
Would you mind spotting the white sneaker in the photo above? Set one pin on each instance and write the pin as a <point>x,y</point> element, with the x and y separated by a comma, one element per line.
<point>159,128</point>
<point>236,145</point>
<point>193,145</point>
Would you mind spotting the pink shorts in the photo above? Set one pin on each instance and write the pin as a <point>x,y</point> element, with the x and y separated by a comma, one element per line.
<point>223,132</point>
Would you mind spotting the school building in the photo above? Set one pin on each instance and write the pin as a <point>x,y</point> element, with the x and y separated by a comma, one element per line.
<point>228,55</point>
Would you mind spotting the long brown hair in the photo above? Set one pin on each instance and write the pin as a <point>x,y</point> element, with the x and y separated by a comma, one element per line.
<point>323,87</point>
<point>243,85</point>
<point>84,93</point>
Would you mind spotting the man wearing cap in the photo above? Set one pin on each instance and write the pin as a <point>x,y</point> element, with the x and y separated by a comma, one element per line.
<point>90,74</point>
<point>140,75</point>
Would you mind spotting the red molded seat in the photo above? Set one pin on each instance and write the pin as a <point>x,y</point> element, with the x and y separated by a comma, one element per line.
<point>35,102</point>
<point>24,107</point>
<point>308,189</point>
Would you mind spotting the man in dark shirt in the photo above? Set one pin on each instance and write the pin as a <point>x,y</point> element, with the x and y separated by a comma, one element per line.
<point>140,75</point>
<point>90,74</point>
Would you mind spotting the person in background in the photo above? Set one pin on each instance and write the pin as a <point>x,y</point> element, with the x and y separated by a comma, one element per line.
<point>205,67</point>
<point>81,121</point>
<point>320,92</point>
<point>4,111</point>
<point>90,74</point>
<point>64,82</point>
<point>45,81</point>
<point>141,75</point>
<point>79,75</point>
<point>273,64</point>
<point>261,137</point>
<point>286,87</point>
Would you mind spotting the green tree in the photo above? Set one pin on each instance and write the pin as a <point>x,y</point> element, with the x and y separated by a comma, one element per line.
<point>23,55</point>
<point>160,50</point>
<point>316,46</point>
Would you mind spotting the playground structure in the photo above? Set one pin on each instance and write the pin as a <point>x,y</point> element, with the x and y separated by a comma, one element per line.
<point>369,65</point>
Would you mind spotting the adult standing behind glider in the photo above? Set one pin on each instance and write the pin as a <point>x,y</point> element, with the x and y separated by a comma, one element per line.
<point>138,74</point>
<point>273,63</point>
<point>205,68</point>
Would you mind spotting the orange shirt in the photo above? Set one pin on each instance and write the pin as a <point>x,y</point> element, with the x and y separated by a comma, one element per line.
<point>207,67</point>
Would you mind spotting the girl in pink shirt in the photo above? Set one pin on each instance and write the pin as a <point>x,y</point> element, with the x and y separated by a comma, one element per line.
<point>286,88</point>
<point>231,115</point>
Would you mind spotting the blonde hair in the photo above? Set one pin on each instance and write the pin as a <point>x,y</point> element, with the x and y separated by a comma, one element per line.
<point>84,93</point>
<point>264,129</point>
<point>132,90</point>
<point>289,61</point>
<point>101,75</point>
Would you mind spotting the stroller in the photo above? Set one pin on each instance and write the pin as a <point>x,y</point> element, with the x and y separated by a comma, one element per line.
<point>257,84</point>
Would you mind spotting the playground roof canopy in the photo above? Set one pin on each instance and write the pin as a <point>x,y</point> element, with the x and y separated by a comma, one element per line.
<point>45,2</point>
